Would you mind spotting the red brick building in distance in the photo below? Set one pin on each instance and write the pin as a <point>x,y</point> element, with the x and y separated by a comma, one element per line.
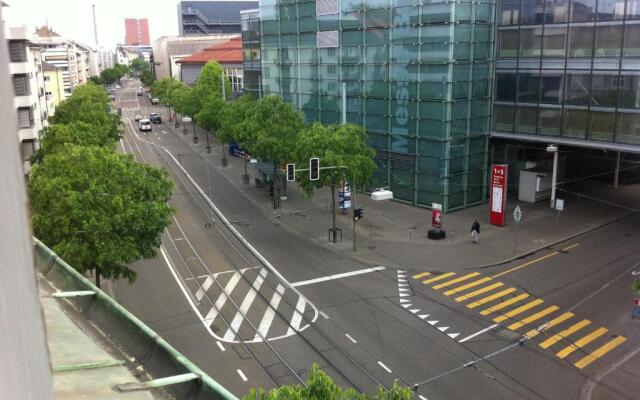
<point>228,54</point>
<point>137,32</point>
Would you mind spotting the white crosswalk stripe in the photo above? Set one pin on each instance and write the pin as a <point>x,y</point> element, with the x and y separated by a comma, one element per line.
<point>213,313</point>
<point>274,310</point>
<point>244,307</point>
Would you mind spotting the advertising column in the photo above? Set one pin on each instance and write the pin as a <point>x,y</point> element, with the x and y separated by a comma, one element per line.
<point>498,194</point>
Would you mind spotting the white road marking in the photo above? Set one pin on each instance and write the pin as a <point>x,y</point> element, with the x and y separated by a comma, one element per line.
<point>384,366</point>
<point>324,315</point>
<point>424,316</point>
<point>404,300</point>
<point>480,332</point>
<point>422,397</point>
<point>415,310</point>
<point>220,345</point>
<point>404,294</point>
<point>242,375</point>
<point>203,289</point>
<point>337,276</point>
<point>294,325</point>
<point>222,298</point>
<point>350,338</point>
<point>270,313</point>
<point>406,305</point>
<point>244,307</point>
<point>122,144</point>
<point>453,335</point>
<point>432,322</point>
<point>443,328</point>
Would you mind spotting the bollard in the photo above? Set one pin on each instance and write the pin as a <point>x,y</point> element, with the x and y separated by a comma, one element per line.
<point>195,140</point>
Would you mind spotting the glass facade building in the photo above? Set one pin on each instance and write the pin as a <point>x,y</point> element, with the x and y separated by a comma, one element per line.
<point>418,76</point>
<point>568,69</point>
<point>250,22</point>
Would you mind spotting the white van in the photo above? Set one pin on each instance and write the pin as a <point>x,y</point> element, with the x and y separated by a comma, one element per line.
<point>144,125</point>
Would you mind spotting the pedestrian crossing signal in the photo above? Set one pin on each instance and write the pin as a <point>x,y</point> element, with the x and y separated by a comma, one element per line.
<point>314,169</point>
<point>357,214</point>
<point>291,172</point>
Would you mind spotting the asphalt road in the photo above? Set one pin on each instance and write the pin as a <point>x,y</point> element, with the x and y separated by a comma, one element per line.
<point>258,319</point>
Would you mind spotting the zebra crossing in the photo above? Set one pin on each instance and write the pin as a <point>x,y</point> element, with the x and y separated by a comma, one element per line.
<point>569,337</point>
<point>251,305</point>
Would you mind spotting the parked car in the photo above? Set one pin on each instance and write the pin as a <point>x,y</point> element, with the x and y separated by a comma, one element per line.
<point>144,125</point>
<point>155,118</point>
<point>137,118</point>
<point>140,92</point>
<point>155,101</point>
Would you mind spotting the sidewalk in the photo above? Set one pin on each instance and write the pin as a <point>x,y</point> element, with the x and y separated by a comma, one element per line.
<point>395,234</point>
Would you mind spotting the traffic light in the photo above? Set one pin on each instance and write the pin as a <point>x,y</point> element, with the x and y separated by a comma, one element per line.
<point>314,169</point>
<point>357,214</point>
<point>291,172</point>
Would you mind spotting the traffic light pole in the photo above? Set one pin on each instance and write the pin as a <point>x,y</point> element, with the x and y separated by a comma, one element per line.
<point>353,205</point>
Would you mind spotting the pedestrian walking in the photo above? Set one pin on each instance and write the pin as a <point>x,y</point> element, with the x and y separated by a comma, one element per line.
<point>475,231</point>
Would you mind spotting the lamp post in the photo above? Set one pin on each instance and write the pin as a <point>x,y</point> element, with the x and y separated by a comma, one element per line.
<point>195,137</point>
<point>552,148</point>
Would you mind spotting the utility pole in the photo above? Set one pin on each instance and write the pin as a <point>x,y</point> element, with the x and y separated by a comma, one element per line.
<point>353,181</point>
<point>95,24</point>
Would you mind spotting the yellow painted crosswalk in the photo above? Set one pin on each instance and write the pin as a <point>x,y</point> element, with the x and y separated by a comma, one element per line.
<point>598,353</point>
<point>519,309</point>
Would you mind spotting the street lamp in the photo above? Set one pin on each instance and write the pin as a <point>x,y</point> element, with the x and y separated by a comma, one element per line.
<point>552,148</point>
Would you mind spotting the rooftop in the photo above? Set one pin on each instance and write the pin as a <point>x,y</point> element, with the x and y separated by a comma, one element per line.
<point>229,52</point>
<point>219,11</point>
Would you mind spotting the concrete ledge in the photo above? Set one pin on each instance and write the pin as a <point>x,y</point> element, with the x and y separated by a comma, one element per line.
<point>126,331</point>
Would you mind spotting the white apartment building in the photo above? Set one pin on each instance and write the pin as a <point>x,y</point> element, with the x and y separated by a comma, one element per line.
<point>25,67</point>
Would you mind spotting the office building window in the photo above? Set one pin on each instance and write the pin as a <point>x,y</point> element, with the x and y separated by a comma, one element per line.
<point>550,120</point>
<point>632,40</point>
<point>509,13</point>
<point>503,117</point>
<point>528,87</point>
<point>506,86</point>
<point>601,125</point>
<point>608,41</point>
<point>610,10</point>
<point>530,42</point>
<point>555,38</point>
<point>508,43</point>
<point>551,87</point>
<point>583,10</point>
<point>556,11</point>
<point>574,123</point>
<point>604,89</point>
<point>630,91</point>
<point>532,12</point>
<point>581,41</point>
<point>633,9</point>
<point>578,86</point>
<point>628,128</point>
<point>526,119</point>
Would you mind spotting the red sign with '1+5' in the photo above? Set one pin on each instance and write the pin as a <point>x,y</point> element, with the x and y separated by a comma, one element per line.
<point>498,194</point>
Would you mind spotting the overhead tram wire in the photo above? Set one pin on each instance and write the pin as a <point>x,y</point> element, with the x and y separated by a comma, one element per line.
<point>523,338</point>
<point>273,350</point>
<point>326,337</point>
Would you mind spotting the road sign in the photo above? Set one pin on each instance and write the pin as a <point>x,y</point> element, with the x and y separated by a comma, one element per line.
<point>517,214</point>
<point>498,194</point>
<point>559,204</point>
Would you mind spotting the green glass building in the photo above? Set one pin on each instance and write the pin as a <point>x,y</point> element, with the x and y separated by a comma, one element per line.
<point>418,76</point>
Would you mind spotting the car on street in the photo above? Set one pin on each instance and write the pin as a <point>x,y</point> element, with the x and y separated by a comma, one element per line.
<point>144,125</point>
<point>137,118</point>
<point>155,118</point>
<point>140,92</point>
<point>155,101</point>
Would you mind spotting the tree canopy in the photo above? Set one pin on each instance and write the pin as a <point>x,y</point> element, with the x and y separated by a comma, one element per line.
<point>232,115</point>
<point>321,387</point>
<point>88,104</point>
<point>99,210</point>
<point>79,133</point>
<point>269,129</point>
<point>335,145</point>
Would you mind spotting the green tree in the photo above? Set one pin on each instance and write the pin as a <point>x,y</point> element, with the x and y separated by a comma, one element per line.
<point>232,115</point>
<point>138,65</point>
<point>208,83</point>
<point>321,387</point>
<point>269,132</point>
<point>79,133</point>
<point>335,145</point>
<point>88,103</point>
<point>99,210</point>
<point>96,80</point>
